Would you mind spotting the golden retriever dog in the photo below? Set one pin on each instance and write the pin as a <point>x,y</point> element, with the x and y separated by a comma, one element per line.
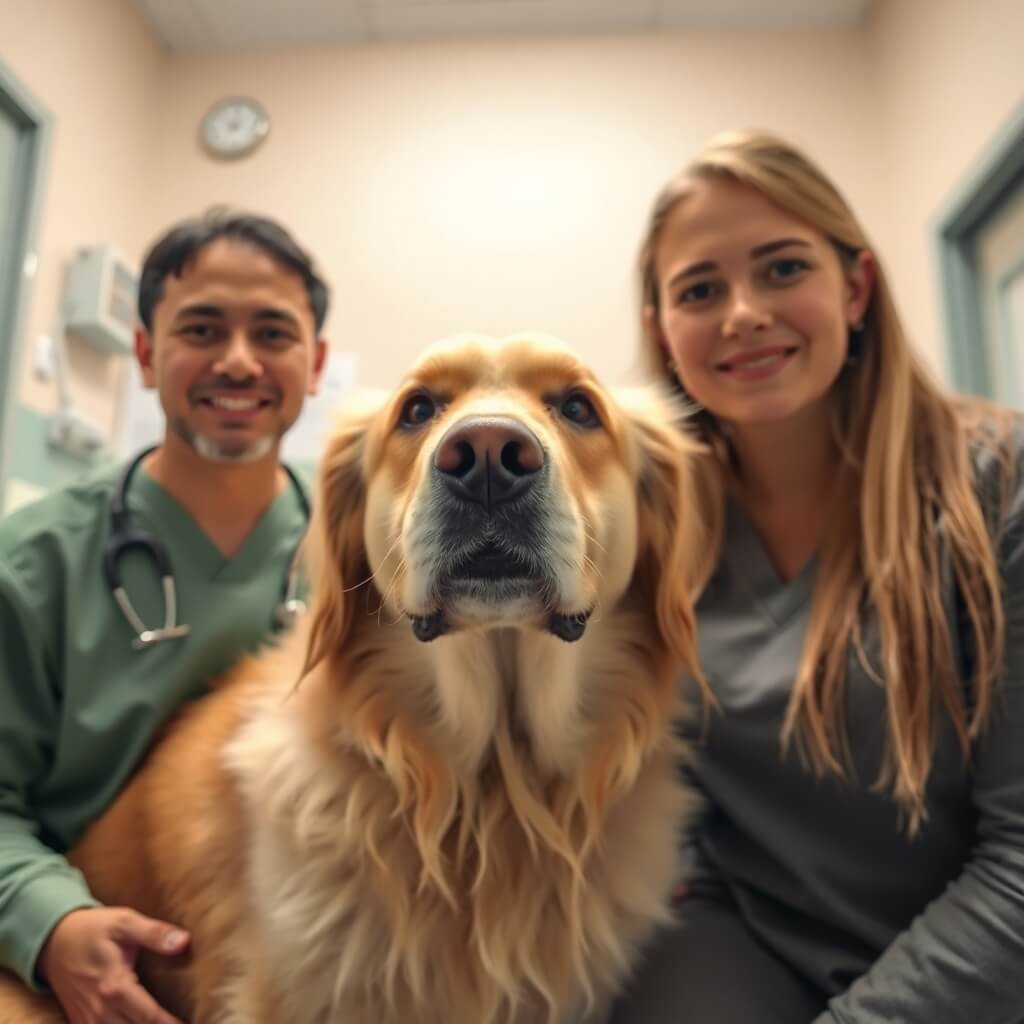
<point>452,796</point>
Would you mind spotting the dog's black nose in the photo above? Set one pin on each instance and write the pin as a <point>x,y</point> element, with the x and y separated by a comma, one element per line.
<point>489,459</point>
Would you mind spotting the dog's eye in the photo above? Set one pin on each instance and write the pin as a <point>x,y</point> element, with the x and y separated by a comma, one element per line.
<point>578,409</point>
<point>418,410</point>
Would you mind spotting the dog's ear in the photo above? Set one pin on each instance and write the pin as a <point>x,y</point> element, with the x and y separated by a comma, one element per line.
<point>678,488</point>
<point>335,548</point>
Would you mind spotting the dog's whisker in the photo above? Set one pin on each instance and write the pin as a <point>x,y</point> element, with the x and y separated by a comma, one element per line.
<point>383,561</point>
<point>390,587</point>
<point>372,578</point>
<point>588,533</point>
<point>356,586</point>
<point>392,546</point>
<point>398,618</point>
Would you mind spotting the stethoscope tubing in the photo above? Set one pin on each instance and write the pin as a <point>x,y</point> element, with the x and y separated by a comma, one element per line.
<point>123,536</point>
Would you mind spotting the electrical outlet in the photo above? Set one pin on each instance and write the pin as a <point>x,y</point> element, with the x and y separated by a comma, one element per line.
<point>44,363</point>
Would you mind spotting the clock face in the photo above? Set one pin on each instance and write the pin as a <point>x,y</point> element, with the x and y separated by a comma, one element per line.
<point>234,127</point>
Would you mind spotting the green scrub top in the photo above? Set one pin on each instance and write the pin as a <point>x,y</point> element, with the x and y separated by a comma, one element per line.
<point>78,705</point>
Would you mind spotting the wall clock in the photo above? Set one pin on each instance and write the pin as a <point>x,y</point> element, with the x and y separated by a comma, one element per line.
<point>234,127</point>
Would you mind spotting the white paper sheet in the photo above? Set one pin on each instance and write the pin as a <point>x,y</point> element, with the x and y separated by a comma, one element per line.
<point>305,441</point>
<point>141,422</point>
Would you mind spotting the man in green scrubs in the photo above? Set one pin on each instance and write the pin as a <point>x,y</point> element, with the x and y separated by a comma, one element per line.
<point>231,311</point>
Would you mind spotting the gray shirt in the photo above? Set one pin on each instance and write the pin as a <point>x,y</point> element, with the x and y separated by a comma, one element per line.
<point>926,929</point>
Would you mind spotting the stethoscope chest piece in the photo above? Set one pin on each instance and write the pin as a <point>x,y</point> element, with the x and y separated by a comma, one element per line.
<point>289,612</point>
<point>119,543</point>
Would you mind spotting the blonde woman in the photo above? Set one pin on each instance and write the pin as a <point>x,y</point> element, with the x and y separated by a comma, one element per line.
<point>861,616</point>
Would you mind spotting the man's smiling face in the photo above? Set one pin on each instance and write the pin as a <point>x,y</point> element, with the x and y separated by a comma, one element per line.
<point>233,351</point>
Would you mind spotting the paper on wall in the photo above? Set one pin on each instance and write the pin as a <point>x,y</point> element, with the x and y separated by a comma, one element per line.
<point>305,441</point>
<point>141,422</point>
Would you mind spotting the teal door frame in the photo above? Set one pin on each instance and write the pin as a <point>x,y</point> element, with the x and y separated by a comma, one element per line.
<point>955,233</point>
<point>18,258</point>
<point>1004,287</point>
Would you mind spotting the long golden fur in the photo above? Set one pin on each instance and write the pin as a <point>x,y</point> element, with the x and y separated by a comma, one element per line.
<point>479,825</point>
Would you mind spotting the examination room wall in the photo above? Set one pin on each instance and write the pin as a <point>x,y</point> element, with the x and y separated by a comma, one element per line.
<point>950,76</point>
<point>503,185</point>
<point>495,185</point>
<point>96,67</point>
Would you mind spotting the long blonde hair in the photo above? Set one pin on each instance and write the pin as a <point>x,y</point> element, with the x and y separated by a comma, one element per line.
<point>906,473</point>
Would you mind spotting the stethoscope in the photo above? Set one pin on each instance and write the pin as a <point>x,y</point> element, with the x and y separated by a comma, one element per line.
<point>124,536</point>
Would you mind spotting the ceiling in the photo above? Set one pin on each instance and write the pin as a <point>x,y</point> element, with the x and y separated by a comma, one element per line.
<point>205,25</point>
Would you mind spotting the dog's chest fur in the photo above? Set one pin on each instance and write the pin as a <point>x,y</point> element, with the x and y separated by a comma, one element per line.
<point>349,928</point>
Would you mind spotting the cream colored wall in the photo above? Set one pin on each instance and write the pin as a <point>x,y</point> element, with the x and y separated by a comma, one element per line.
<point>951,72</point>
<point>498,186</point>
<point>95,65</point>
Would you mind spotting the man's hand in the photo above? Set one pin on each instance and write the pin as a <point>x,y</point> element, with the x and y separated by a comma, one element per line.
<point>89,963</point>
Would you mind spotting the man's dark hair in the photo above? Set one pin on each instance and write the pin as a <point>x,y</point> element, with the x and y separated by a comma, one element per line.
<point>178,247</point>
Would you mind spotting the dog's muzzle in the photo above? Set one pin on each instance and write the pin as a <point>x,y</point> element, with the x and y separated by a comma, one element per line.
<point>490,475</point>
